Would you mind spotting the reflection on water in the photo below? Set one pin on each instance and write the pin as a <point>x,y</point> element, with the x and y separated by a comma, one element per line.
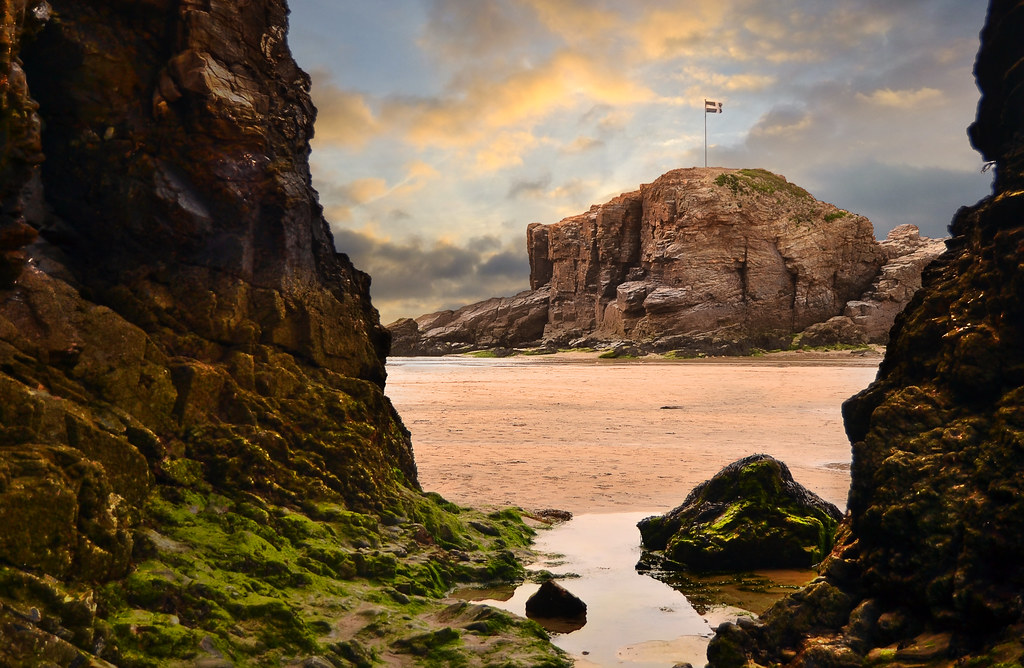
<point>624,608</point>
<point>633,619</point>
<point>754,592</point>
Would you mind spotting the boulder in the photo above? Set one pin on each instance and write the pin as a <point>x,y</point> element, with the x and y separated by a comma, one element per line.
<point>897,281</point>
<point>553,600</point>
<point>833,332</point>
<point>750,515</point>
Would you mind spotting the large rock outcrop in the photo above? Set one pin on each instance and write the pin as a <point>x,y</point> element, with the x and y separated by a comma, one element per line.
<point>183,286</point>
<point>928,569</point>
<point>192,419</point>
<point>706,260</point>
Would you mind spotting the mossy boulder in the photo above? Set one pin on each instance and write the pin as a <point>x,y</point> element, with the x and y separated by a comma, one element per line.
<point>751,514</point>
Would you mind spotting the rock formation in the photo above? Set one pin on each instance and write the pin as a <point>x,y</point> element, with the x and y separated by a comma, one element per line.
<point>751,515</point>
<point>192,419</point>
<point>553,600</point>
<point>702,260</point>
<point>869,318</point>
<point>928,566</point>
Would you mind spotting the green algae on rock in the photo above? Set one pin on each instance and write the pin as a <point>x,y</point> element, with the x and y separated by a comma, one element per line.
<point>750,515</point>
<point>253,583</point>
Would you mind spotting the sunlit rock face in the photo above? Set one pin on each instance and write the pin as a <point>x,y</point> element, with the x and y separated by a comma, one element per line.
<point>173,313</point>
<point>710,261</point>
<point>928,568</point>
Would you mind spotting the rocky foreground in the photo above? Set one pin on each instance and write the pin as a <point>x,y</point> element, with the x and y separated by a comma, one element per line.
<point>198,465</point>
<point>701,261</point>
<point>927,569</point>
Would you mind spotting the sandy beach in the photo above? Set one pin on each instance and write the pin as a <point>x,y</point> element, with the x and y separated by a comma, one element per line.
<point>578,433</point>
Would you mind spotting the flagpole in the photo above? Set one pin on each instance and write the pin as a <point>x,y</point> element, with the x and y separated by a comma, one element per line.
<point>705,133</point>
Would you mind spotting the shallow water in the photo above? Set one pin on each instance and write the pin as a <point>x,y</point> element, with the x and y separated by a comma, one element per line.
<point>632,619</point>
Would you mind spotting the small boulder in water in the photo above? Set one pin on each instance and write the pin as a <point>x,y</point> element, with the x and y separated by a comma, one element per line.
<point>553,600</point>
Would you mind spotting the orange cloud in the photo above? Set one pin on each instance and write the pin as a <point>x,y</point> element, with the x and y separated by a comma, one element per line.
<point>575,21</point>
<point>343,117</point>
<point>903,99</point>
<point>521,98</point>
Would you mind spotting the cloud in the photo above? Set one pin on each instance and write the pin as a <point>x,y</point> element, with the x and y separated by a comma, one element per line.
<point>701,80</point>
<point>412,277</point>
<point>466,32</point>
<point>340,200</point>
<point>417,175</point>
<point>781,122</point>
<point>903,99</point>
<point>494,116</point>
<point>362,191</point>
<point>506,149</point>
<point>695,28</point>
<point>343,117</point>
<point>582,145</point>
<point>529,188</point>
<point>506,265</point>
<point>893,195</point>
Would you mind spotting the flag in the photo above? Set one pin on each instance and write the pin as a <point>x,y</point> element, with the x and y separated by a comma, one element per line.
<point>712,107</point>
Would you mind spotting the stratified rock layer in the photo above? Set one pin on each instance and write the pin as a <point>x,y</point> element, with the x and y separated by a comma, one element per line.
<point>700,260</point>
<point>928,570</point>
<point>752,514</point>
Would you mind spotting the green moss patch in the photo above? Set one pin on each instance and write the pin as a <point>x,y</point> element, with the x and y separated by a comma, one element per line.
<point>257,584</point>
<point>750,515</point>
<point>762,182</point>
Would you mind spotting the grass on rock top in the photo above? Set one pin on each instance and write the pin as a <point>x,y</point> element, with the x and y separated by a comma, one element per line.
<point>258,584</point>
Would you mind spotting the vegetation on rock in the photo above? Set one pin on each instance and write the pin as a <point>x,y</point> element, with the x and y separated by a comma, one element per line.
<point>750,515</point>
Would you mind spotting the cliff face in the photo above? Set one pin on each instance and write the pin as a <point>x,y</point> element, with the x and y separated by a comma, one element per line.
<point>679,257</point>
<point>160,154</point>
<point>704,260</point>
<point>928,569</point>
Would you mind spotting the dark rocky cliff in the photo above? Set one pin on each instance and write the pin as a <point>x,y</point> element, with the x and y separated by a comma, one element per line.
<point>183,280</point>
<point>715,261</point>
<point>195,447</point>
<point>928,569</point>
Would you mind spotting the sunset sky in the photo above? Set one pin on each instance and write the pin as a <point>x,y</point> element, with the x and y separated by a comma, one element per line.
<point>447,126</point>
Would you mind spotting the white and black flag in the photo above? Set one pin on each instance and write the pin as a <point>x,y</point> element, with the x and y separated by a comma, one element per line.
<point>712,107</point>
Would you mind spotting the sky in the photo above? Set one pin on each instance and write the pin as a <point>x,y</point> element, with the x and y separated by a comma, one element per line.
<point>445,127</point>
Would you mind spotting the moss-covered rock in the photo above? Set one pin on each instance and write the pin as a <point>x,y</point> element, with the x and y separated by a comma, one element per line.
<point>339,584</point>
<point>750,515</point>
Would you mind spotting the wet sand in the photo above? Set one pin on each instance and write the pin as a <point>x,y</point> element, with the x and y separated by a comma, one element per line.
<point>594,436</point>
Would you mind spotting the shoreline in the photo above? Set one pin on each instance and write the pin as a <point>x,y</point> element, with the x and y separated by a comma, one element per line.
<point>867,356</point>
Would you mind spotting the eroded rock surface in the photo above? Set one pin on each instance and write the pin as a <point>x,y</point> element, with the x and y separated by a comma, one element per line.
<point>701,260</point>
<point>928,566</point>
